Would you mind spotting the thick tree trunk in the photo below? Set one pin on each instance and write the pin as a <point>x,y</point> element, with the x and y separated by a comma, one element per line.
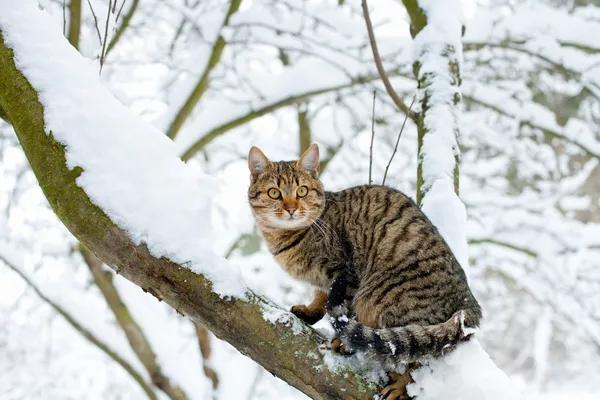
<point>295,358</point>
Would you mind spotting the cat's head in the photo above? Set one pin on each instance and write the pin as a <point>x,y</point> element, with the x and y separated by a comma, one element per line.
<point>285,194</point>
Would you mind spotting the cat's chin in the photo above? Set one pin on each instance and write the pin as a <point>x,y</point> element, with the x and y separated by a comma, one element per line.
<point>288,223</point>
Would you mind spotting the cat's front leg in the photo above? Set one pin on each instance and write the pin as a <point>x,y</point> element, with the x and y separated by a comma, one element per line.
<point>314,312</point>
<point>340,296</point>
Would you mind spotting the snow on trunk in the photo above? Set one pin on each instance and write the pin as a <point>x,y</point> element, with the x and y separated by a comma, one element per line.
<point>466,373</point>
<point>438,54</point>
<point>131,170</point>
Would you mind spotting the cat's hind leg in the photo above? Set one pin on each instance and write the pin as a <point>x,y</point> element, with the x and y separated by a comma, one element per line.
<point>396,390</point>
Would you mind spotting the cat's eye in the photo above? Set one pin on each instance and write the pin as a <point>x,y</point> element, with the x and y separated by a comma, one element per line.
<point>274,193</point>
<point>302,191</point>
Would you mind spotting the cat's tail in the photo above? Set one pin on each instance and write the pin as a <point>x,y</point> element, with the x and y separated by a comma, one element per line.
<point>405,344</point>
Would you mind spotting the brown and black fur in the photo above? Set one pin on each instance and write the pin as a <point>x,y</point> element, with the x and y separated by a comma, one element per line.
<point>375,254</point>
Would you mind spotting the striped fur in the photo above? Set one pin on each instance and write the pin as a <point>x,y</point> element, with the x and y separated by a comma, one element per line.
<point>402,284</point>
<point>390,347</point>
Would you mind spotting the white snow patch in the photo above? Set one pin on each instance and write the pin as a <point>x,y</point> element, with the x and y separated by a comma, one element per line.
<point>275,314</point>
<point>467,373</point>
<point>130,169</point>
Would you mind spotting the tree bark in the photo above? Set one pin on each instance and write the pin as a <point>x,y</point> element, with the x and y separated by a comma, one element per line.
<point>295,358</point>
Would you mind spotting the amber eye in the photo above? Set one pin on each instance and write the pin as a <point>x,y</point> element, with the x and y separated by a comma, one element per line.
<point>302,191</point>
<point>274,193</point>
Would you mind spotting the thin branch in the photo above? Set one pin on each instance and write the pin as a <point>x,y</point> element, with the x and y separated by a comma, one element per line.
<point>82,330</point>
<point>372,138</point>
<point>524,250</point>
<point>384,77</point>
<point>205,350</point>
<point>203,83</point>
<point>304,131</point>
<point>74,22</point>
<point>64,15</point>
<point>124,25</point>
<point>104,42</point>
<point>251,115</point>
<point>513,46</point>
<point>134,333</point>
<point>95,22</point>
<point>259,373</point>
<point>549,132</point>
<point>387,167</point>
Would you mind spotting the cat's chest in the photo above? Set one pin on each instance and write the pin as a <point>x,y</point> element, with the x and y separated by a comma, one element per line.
<point>304,268</point>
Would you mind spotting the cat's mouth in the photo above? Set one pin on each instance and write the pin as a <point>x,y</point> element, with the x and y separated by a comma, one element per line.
<point>288,221</point>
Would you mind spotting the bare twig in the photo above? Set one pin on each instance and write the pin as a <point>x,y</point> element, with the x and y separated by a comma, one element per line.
<point>95,22</point>
<point>83,331</point>
<point>205,350</point>
<point>120,10</point>
<point>257,378</point>
<point>372,138</point>
<point>383,75</point>
<point>398,140</point>
<point>103,51</point>
<point>124,25</point>
<point>64,11</point>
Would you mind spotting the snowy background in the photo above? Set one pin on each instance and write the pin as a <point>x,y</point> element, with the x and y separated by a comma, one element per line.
<point>288,73</point>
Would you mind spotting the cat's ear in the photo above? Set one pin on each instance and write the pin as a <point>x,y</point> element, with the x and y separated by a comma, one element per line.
<point>257,161</point>
<point>310,160</point>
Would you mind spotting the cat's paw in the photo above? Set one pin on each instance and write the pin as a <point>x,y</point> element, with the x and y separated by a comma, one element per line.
<point>306,314</point>
<point>396,390</point>
<point>339,347</point>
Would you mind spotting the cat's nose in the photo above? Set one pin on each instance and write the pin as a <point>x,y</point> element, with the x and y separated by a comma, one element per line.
<point>290,210</point>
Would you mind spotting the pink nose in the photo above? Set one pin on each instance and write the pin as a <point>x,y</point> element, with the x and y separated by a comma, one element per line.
<point>290,210</point>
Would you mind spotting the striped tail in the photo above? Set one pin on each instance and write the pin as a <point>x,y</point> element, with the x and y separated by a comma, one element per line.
<point>404,344</point>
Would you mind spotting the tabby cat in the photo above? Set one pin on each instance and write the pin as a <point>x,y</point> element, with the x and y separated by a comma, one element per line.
<point>396,292</point>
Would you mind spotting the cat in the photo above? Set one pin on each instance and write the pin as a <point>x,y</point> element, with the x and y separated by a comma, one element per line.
<point>389,282</point>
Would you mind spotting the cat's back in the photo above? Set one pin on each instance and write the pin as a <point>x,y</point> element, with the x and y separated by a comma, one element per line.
<point>404,263</point>
<point>371,208</point>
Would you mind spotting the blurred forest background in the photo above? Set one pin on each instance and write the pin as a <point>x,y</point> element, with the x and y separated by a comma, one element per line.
<point>220,76</point>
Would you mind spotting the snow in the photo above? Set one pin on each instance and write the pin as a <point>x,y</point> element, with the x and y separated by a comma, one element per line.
<point>532,234</point>
<point>441,36</point>
<point>130,169</point>
<point>467,373</point>
<point>275,314</point>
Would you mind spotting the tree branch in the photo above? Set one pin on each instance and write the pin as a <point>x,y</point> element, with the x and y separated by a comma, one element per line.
<point>295,358</point>
<point>251,115</point>
<point>74,23</point>
<point>82,330</point>
<point>384,77</point>
<point>205,350</point>
<point>524,250</point>
<point>135,336</point>
<point>549,132</point>
<point>123,27</point>
<point>202,85</point>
